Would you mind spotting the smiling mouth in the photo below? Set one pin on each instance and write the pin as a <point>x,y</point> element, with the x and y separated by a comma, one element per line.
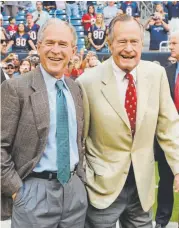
<point>127,57</point>
<point>55,59</point>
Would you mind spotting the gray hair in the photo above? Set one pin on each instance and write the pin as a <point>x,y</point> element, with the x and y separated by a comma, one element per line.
<point>55,21</point>
<point>174,33</point>
<point>123,18</point>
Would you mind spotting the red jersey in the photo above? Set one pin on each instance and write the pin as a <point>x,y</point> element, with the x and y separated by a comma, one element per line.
<point>87,17</point>
<point>11,30</point>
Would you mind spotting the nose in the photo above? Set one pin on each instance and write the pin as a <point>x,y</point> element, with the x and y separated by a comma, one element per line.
<point>128,47</point>
<point>56,48</point>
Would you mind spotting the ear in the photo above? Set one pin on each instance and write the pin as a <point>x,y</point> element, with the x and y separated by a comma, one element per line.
<point>38,47</point>
<point>109,45</point>
<point>74,50</point>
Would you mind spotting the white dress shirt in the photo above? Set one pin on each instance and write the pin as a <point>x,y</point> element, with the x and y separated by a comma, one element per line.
<point>122,82</point>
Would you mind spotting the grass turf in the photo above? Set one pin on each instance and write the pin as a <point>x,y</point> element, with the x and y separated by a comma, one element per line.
<point>175,214</point>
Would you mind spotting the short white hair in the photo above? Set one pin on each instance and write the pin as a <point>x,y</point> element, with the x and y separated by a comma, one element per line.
<point>55,21</point>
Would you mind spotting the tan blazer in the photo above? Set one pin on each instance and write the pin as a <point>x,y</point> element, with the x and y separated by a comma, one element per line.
<point>109,144</point>
<point>24,130</point>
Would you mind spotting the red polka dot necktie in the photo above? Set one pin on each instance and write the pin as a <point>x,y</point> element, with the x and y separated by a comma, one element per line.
<point>176,94</point>
<point>131,102</point>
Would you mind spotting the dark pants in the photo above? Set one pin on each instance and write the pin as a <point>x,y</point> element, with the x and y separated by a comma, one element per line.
<point>165,197</point>
<point>42,203</point>
<point>126,208</point>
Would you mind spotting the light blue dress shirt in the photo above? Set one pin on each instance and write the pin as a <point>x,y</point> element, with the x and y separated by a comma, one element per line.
<point>177,72</point>
<point>48,160</point>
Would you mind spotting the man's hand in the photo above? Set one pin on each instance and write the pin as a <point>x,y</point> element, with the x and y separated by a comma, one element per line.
<point>14,196</point>
<point>177,182</point>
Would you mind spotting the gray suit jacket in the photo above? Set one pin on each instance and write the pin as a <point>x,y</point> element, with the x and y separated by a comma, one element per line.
<point>24,130</point>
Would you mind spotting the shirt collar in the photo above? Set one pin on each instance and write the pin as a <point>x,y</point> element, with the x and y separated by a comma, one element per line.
<point>50,80</point>
<point>120,72</point>
<point>178,66</point>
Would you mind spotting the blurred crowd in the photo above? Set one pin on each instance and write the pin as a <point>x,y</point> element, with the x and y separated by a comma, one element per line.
<point>20,23</point>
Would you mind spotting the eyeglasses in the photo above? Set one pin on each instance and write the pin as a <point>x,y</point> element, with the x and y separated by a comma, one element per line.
<point>2,41</point>
<point>10,68</point>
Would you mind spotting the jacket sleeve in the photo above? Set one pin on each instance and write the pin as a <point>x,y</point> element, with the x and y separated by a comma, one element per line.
<point>10,114</point>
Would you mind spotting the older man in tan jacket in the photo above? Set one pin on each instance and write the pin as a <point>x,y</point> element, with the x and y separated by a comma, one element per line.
<point>126,102</point>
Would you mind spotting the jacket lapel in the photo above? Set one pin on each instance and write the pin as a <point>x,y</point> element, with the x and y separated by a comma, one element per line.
<point>143,90</point>
<point>110,92</point>
<point>40,104</point>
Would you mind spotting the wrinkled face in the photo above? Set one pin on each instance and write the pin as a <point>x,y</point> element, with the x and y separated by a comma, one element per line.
<point>39,6</point>
<point>174,46</point>
<point>126,46</point>
<point>93,61</point>
<point>56,49</point>
<point>21,28</point>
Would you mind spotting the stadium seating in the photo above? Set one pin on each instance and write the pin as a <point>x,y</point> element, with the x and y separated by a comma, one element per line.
<point>20,18</point>
<point>5,24</point>
<point>6,18</point>
<point>80,34</point>
<point>79,28</point>
<point>81,43</point>
<point>75,22</point>
<point>62,17</point>
<point>77,17</point>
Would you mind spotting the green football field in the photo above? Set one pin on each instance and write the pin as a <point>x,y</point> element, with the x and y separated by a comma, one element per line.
<point>175,215</point>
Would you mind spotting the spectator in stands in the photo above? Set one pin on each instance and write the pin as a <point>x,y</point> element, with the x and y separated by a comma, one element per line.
<point>20,40</point>
<point>137,16</point>
<point>160,9</point>
<point>75,68</point>
<point>25,66</point>
<point>109,12</point>
<point>12,27</point>
<point>98,34</point>
<point>130,7</point>
<point>32,28</point>
<point>88,19</point>
<point>3,47</point>
<point>61,5</point>
<point>11,8</point>
<point>40,16</point>
<point>173,9</point>
<point>10,69</point>
<point>3,33</point>
<point>173,15</point>
<point>49,5</point>
<point>90,61</point>
<point>158,31</point>
<point>71,8</point>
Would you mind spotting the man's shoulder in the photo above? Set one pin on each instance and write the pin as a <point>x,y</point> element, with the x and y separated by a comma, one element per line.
<point>150,66</point>
<point>94,74</point>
